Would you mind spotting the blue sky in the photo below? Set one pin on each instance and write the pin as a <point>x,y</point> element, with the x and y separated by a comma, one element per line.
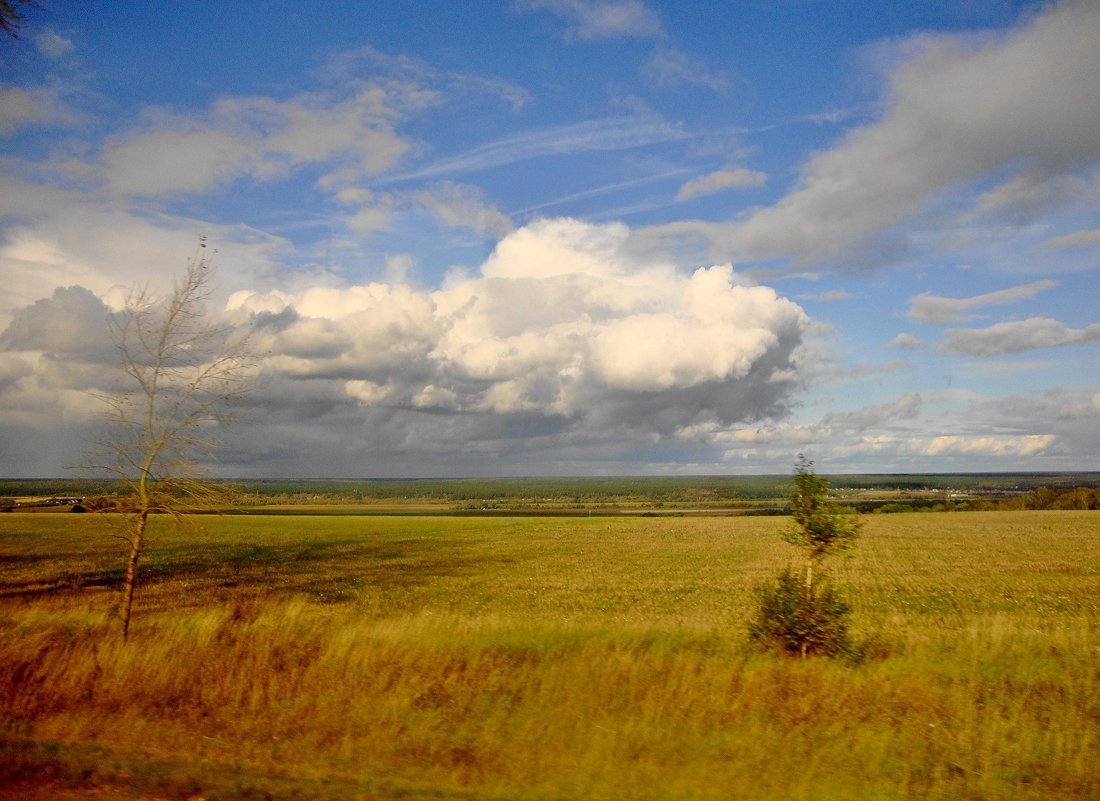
<point>570,236</point>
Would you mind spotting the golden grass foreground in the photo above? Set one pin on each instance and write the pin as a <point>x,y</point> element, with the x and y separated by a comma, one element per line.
<point>606,658</point>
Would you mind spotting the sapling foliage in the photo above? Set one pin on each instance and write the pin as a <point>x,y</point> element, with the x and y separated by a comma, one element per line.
<point>804,614</point>
<point>821,526</point>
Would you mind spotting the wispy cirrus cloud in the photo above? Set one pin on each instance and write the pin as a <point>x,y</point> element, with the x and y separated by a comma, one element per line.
<point>420,82</point>
<point>670,67</point>
<point>590,136</point>
<point>603,190</point>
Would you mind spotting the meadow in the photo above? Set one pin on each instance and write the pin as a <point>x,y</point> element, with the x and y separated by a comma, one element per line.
<point>339,657</point>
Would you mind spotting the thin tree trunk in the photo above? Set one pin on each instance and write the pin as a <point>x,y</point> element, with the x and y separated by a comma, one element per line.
<point>137,542</point>
<point>808,604</point>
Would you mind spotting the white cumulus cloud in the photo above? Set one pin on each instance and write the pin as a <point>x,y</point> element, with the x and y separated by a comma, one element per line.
<point>561,322</point>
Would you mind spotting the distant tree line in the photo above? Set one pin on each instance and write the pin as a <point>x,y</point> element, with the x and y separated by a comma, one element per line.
<point>746,495</point>
<point>1046,498</point>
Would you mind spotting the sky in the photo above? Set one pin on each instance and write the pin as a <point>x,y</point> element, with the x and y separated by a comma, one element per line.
<point>568,237</point>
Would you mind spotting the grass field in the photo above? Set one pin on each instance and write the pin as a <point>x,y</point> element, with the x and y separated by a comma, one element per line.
<point>547,659</point>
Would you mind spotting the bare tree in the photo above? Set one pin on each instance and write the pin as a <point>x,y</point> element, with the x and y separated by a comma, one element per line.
<point>10,18</point>
<point>181,372</point>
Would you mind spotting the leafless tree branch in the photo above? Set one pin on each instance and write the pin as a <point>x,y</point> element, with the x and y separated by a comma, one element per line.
<point>182,372</point>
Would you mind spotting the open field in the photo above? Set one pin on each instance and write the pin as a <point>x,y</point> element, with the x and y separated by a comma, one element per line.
<point>535,658</point>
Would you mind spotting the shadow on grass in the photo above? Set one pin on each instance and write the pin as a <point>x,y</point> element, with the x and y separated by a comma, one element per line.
<point>46,771</point>
<point>188,575</point>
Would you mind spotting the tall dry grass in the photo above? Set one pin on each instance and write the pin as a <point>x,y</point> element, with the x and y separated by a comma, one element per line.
<point>550,659</point>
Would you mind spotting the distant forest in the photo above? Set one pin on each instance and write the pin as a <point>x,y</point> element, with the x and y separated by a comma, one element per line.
<point>762,494</point>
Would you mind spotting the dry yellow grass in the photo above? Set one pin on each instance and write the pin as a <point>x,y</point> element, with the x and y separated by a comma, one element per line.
<point>380,658</point>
